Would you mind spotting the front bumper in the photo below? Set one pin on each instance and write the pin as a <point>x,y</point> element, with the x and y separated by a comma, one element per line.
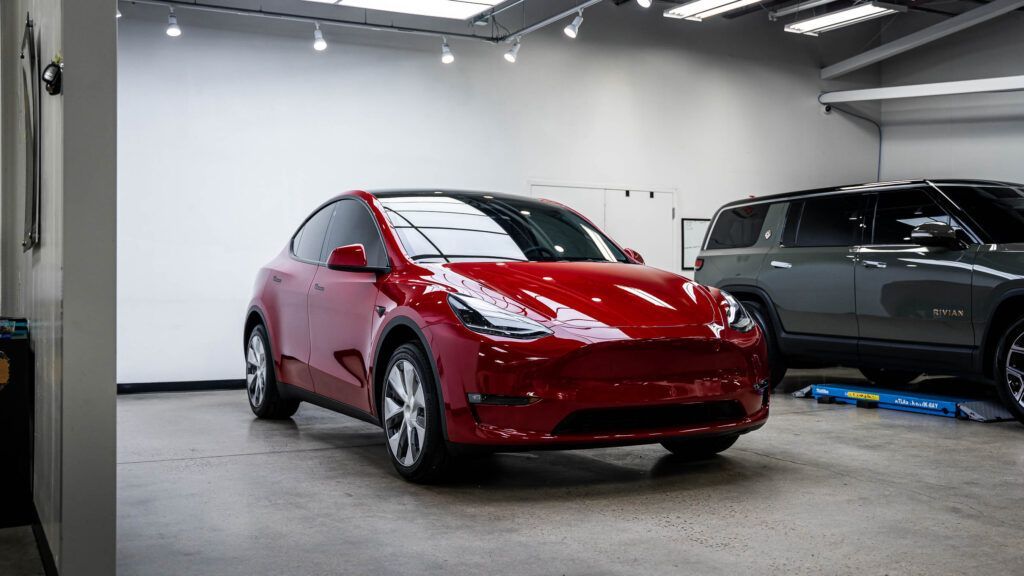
<point>654,386</point>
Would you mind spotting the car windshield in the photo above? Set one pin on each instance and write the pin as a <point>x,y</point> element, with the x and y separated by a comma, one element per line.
<point>997,210</point>
<point>453,227</point>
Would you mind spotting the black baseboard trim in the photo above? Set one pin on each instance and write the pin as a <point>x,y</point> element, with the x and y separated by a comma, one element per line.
<point>43,545</point>
<point>191,386</point>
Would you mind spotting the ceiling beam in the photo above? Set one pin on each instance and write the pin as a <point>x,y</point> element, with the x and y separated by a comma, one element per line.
<point>1005,84</point>
<point>922,37</point>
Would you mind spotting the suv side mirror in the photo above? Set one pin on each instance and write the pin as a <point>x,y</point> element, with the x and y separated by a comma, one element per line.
<point>351,257</point>
<point>935,234</point>
<point>633,255</point>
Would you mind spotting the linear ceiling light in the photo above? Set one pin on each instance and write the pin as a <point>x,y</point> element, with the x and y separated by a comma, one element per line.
<point>701,9</point>
<point>454,9</point>
<point>842,18</point>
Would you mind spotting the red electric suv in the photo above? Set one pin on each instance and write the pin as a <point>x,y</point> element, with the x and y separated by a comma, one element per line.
<point>464,321</point>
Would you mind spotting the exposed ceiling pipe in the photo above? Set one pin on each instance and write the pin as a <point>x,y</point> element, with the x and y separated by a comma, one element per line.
<point>1005,84</point>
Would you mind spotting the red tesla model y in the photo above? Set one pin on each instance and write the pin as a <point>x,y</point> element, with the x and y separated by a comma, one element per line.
<point>462,322</point>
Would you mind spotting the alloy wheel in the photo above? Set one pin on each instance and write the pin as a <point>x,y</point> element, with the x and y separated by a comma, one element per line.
<point>256,370</point>
<point>1015,370</point>
<point>405,413</point>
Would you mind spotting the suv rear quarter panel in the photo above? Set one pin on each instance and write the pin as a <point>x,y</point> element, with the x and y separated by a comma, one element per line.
<point>741,266</point>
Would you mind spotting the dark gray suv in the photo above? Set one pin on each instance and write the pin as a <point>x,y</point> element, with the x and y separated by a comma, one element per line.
<point>894,278</point>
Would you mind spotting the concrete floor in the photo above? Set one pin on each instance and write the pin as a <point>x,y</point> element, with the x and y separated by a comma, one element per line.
<point>19,555</point>
<point>203,488</point>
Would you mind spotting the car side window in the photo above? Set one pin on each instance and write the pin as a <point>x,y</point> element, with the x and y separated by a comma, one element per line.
<point>898,213</point>
<point>309,241</point>
<point>353,224</point>
<point>825,221</point>
<point>738,227</point>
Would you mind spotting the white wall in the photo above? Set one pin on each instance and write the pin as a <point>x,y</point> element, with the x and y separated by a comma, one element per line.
<point>231,133</point>
<point>971,136</point>
<point>66,286</point>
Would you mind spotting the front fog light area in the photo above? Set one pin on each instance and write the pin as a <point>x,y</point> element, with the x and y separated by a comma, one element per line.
<point>484,318</point>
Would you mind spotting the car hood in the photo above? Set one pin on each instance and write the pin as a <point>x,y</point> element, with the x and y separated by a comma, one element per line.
<point>586,294</point>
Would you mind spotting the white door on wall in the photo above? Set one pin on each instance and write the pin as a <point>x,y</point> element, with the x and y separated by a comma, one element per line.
<point>644,222</point>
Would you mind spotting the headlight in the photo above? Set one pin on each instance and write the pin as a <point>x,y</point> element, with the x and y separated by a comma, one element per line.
<point>479,316</point>
<point>735,314</point>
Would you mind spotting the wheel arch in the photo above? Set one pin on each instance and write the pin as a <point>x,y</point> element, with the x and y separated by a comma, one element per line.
<point>744,292</point>
<point>401,330</point>
<point>252,319</point>
<point>1009,310</point>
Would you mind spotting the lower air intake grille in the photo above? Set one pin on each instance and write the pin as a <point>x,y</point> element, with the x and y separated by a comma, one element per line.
<point>614,420</point>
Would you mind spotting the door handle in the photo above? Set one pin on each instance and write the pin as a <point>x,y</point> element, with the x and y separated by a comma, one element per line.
<point>873,264</point>
<point>276,278</point>
<point>318,287</point>
<point>783,265</point>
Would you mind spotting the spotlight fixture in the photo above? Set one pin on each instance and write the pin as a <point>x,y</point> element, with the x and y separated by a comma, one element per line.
<point>117,12</point>
<point>446,52</point>
<point>572,30</point>
<point>644,3</point>
<point>319,44</point>
<point>842,18</point>
<point>173,30</point>
<point>513,52</point>
<point>699,10</point>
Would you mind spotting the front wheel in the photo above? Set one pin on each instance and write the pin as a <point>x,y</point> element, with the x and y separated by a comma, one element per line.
<point>411,417</point>
<point>699,448</point>
<point>1010,370</point>
<point>886,377</point>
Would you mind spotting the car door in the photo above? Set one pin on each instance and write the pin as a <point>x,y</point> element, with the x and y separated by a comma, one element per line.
<point>287,295</point>
<point>809,275</point>
<point>907,292</point>
<point>341,309</point>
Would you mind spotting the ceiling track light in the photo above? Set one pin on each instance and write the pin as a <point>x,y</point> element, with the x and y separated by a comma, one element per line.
<point>173,30</point>
<point>644,3</point>
<point>117,12</point>
<point>319,44</point>
<point>447,57</point>
<point>843,18</point>
<point>513,52</point>
<point>700,10</point>
<point>572,30</point>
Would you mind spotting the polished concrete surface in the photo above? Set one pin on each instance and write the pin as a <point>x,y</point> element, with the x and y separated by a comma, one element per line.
<point>19,555</point>
<point>203,488</point>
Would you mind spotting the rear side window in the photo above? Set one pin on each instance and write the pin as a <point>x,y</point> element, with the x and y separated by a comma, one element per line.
<point>737,227</point>
<point>353,224</point>
<point>310,239</point>
<point>898,213</point>
<point>826,221</point>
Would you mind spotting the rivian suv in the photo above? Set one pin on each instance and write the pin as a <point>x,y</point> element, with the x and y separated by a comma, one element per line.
<point>895,278</point>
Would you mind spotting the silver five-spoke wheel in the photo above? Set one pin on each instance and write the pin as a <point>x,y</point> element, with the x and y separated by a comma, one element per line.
<point>1015,370</point>
<point>405,413</point>
<point>256,370</point>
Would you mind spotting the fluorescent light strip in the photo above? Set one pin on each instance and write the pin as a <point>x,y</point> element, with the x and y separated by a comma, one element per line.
<point>453,9</point>
<point>843,18</point>
<point>701,9</point>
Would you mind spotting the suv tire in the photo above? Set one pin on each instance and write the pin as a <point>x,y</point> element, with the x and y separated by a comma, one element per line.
<point>261,382</point>
<point>887,377</point>
<point>776,363</point>
<point>1009,368</point>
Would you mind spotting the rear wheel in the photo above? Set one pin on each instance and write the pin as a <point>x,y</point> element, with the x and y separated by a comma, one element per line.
<point>776,363</point>
<point>261,382</point>
<point>887,377</point>
<point>699,448</point>
<point>411,417</point>
<point>1010,370</point>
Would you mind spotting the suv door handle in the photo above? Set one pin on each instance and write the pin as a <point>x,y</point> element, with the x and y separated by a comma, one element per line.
<point>318,287</point>
<point>873,264</point>
<point>779,264</point>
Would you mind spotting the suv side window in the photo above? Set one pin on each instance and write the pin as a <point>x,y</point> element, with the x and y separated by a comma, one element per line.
<point>738,227</point>
<point>898,213</point>
<point>826,221</point>
<point>310,238</point>
<point>353,224</point>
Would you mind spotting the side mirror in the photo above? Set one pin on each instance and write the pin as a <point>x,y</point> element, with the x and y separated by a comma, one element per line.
<point>935,234</point>
<point>633,255</point>
<point>351,257</point>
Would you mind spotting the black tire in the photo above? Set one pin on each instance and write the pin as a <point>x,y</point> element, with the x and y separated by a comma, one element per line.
<point>887,377</point>
<point>422,455</point>
<point>1010,385</point>
<point>776,363</point>
<point>259,365</point>
<point>691,449</point>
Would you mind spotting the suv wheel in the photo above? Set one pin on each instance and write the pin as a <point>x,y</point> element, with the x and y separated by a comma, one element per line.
<point>776,363</point>
<point>411,418</point>
<point>261,382</point>
<point>886,377</point>
<point>1010,370</point>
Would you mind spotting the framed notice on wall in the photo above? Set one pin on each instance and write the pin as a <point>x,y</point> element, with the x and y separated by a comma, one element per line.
<point>694,230</point>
